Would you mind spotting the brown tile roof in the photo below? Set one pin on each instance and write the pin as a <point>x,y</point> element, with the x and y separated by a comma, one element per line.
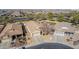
<point>15,30</point>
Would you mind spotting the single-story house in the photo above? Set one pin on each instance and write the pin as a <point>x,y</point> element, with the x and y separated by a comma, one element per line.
<point>64,28</point>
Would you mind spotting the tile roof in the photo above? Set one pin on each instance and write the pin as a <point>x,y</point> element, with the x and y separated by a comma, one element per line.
<point>15,30</point>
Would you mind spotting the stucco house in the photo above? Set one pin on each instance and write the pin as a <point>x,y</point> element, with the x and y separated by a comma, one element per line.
<point>64,28</point>
<point>32,28</point>
<point>68,32</point>
<point>12,33</point>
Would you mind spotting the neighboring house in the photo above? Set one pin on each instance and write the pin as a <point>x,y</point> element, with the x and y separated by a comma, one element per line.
<point>68,32</point>
<point>5,40</point>
<point>64,28</point>
<point>3,34</point>
<point>17,34</point>
<point>15,31</point>
<point>12,34</point>
<point>33,29</point>
<point>16,13</point>
<point>46,28</point>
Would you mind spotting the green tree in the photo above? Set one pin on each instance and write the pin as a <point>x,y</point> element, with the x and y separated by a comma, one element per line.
<point>40,16</point>
<point>50,16</point>
<point>61,18</point>
<point>75,19</point>
<point>30,15</point>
